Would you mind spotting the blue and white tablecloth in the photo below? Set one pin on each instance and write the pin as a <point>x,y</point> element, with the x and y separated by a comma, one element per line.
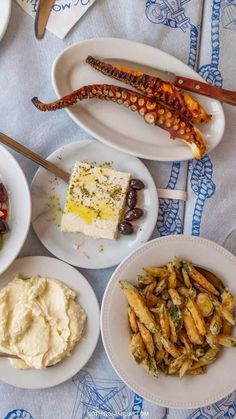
<point>200,33</point>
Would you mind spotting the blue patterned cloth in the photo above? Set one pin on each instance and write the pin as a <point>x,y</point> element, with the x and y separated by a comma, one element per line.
<point>96,391</point>
<point>210,209</point>
<point>211,181</point>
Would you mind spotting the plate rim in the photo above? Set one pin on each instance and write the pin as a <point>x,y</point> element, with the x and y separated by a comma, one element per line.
<point>27,190</point>
<point>90,131</point>
<point>152,243</point>
<point>156,200</point>
<point>8,8</point>
<point>55,260</point>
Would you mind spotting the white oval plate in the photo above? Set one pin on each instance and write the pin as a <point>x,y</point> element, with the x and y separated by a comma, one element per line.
<point>49,377</point>
<point>5,13</point>
<point>75,248</point>
<point>115,125</point>
<point>169,391</point>
<point>20,208</point>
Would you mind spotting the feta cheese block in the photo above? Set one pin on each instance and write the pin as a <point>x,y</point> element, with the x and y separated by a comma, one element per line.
<point>95,201</point>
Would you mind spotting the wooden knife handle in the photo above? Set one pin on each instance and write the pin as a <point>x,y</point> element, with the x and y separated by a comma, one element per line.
<point>205,89</point>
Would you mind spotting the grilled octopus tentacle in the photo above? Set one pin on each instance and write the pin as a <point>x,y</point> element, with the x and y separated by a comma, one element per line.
<point>152,111</point>
<point>154,87</point>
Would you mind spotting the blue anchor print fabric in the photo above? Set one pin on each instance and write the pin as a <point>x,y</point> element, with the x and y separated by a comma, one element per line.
<point>176,26</point>
<point>210,209</point>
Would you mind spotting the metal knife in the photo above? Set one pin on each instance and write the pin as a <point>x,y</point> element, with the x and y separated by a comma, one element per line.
<point>42,15</point>
<point>185,83</point>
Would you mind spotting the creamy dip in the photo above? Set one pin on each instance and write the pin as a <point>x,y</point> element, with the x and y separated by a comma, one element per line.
<point>40,321</point>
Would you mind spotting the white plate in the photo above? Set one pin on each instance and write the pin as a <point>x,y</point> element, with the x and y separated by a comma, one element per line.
<point>5,13</point>
<point>49,377</point>
<point>115,125</point>
<point>20,208</point>
<point>76,248</point>
<point>190,392</point>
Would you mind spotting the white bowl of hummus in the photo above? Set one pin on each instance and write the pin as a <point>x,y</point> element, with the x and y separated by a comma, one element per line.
<point>46,322</point>
<point>41,321</point>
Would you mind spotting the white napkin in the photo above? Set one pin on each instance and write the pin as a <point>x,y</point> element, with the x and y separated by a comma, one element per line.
<point>65,14</point>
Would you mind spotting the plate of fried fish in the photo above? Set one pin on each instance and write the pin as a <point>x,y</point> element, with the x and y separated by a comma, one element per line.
<point>166,124</point>
<point>167,322</point>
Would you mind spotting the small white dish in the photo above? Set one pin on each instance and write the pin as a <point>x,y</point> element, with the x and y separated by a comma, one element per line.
<point>5,13</point>
<point>19,216</point>
<point>49,377</point>
<point>75,248</point>
<point>115,125</point>
<point>191,391</point>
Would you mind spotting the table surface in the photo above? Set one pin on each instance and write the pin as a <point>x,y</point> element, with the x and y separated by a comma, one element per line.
<point>25,69</point>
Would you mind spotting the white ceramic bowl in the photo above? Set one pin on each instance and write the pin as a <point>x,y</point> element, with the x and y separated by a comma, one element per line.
<point>76,248</point>
<point>169,391</point>
<point>115,125</point>
<point>4,16</point>
<point>20,208</point>
<point>49,377</point>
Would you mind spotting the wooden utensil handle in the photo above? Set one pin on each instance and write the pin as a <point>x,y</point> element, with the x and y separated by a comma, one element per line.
<point>206,89</point>
<point>5,355</point>
<point>34,157</point>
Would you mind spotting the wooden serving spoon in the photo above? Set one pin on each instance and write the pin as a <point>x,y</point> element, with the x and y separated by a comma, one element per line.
<point>51,167</point>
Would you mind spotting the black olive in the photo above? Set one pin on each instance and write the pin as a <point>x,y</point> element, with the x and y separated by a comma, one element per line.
<point>136,184</point>
<point>131,198</point>
<point>3,227</point>
<point>126,228</point>
<point>133,214</point>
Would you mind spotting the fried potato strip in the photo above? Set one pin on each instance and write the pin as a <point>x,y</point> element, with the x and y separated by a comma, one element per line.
<point>227,302</point>
<point>132,320</point>
<point>207,359</point>
<point>216,324</point>
<point>197,316</point>
<point>199,278</point>
<point>156,272</point>
<point>180,318</point>
<point>190,327</point>
<point>170,347</point>
<point>205,304</point>
<point>175,297</point>
<point>137,348</point>
<point>147,339</point>
<point>172,278</point>
<point>137,303</point>
<point>164,321</point>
